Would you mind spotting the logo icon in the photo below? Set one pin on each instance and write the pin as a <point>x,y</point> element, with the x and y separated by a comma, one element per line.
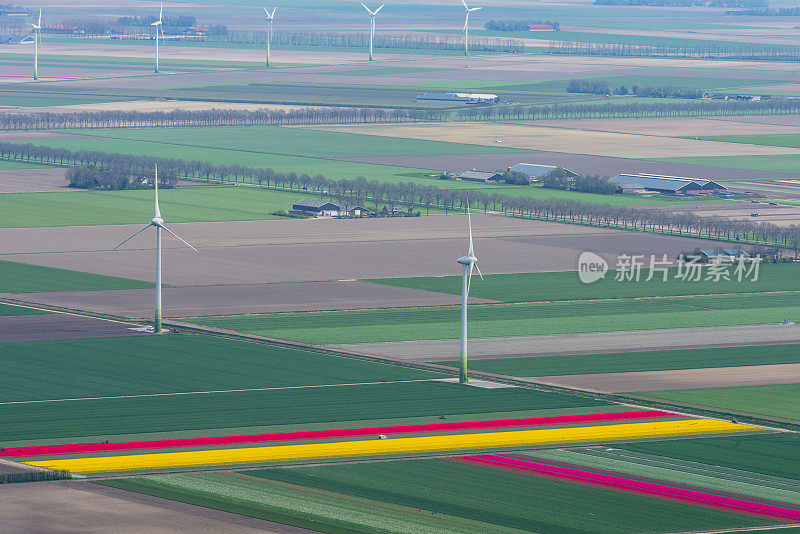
<point>591,267</point>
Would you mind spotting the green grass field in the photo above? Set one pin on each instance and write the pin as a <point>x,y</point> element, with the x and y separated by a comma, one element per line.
<point>317,510</point>
<point>553,286</point>
<point>508,499</point>
<point>787,140</point>
<point>787,163</point>
<point>227,411</point>
<point>777,400</point>
<point>287,141</point>
<point>660,360</point>
<point>8,310</point>
<point>26,278</point>
<point>183,204</point>
<point>767,454</point>
<point>168,364</point>
<point>443,322</point>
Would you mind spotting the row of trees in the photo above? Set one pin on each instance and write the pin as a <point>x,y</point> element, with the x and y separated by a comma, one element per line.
<point>517,25</point>
<point>361,40</point>
<point>116,178</point>
<point>361,190</point>
<point>600,87</point>
<point>234,117</point>
<point>560,179</point>
<point>683,3</point>
<point>691,50</point>
<point>768,12</point>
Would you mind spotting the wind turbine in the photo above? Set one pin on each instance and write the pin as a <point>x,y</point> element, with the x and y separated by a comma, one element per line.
<point>467,263</point>
<point>270,18</point>
<point>372,15</point>
<point>158,24</point>
<point>468,10</point>
<point>158,222</point>
<point>37,29</point>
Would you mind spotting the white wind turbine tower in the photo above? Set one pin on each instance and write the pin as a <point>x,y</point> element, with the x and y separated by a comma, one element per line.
<point>372,15</point>
<point>159,26</point>
<point>467,263</point>
<point>270,18</point>
<point>468,10</point>
<point>158,222</point>
<point>37,30</point>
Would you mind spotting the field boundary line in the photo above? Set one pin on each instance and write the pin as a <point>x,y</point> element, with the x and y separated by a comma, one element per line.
<point>210,392</point>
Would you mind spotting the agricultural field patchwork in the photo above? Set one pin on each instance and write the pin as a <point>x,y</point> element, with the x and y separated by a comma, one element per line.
<point>26,278</point>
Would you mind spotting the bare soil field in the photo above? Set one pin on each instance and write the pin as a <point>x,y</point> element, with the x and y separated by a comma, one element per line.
<point>674,127</point>
<point>80,506</point>
<point>318,250</point>
<point>33,180</point>
<point>779,215</point>
<point>750,375</point>
<point>580,163</point>
<point>533,137</point>
<point>61,326</point>
<point>244,299</point>
<point>591,343</point>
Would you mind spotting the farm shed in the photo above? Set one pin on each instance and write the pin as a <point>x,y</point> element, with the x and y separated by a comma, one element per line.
<point>479,176</point>
<point>316,208</point>
<point>671,185</point>
<point>724,255</point>
<point>393,209</point>
<point>470,98</point>
<point>536,172</point>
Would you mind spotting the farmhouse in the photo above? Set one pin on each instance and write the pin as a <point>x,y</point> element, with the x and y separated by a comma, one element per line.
<point>537,172</point>
<point>479,176</point>
<point>668,185</point>
<point>724,255</point>
<point>469,98</point>
<point>316,208</point>
<point>393,209</point>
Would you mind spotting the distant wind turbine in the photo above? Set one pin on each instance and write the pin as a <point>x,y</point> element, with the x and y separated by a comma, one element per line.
<point>467,263</point>
<point>158,222</point>
<point>468,10</point>
<point>270,18</point>
<point>37,30</point>
<point>159,26</point>
<point>372,15</point>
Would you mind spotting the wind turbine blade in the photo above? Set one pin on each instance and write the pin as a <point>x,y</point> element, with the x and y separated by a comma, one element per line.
<point>161,12</point>
<point>475,9</point>
<point>368,9</point>
<point>40,17</point>
<point>479,271</point>
<point>265,10</point>
<point>465,5</point>
<point>134,235</point>
<point>379,9</point>
<point>469,278</point>
<point>272,15</point>
<point>179,237</point>
<point>157,212</point>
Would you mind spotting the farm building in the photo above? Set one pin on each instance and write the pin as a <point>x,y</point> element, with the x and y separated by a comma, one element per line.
<point>316,208</point>
<point>470,98</point>
<point>669,185</point>
<point>724,255</point>
<point>479,176</point>
<point>536,172</point>
<point>393,209</point>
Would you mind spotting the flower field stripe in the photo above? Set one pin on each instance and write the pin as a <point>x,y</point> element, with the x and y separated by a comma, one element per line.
<point>638,486</point>
<point>449,442</point>
<point>79,448</point>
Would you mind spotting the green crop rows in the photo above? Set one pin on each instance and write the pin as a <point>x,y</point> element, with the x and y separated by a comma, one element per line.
<point>230,410</point>
<point>553,286</point>
<point>6,310</point>
<point>167,364</point>
<point>625,362</point>
<point>515,500</point>
<point>26,278</point>
<point>497,320</point>
<point>776,400</point>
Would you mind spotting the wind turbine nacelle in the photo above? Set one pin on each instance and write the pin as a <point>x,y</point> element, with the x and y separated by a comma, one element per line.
<point>157,221</point>
<point>467,260</point>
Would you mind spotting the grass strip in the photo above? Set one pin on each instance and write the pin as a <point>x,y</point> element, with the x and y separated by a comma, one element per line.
<point>18,277</point>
